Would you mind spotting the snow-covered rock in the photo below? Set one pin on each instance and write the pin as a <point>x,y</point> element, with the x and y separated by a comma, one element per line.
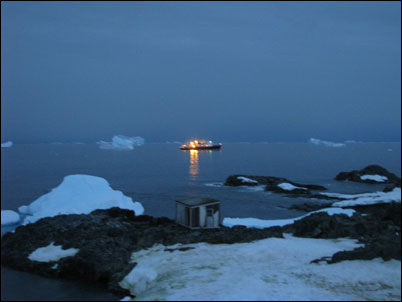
<point>289,187</point>
<point>366,198</point>
<point>9,217</point>
<point>122,142</point>
<point>376,177</point>
<point>247,180</point>
<point>260,223</point>
<point>78,194</point>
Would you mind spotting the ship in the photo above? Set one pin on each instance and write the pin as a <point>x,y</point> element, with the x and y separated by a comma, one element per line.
<point>200,145</point>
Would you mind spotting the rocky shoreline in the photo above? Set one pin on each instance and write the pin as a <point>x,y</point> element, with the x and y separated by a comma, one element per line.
<point>106,239</point>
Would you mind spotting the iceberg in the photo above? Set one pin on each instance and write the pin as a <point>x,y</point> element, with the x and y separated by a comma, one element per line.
<point>318,142</point>
<point>78,194</point>
<point>122,142</point>
<point>9,217</point>
<point>7,144</point>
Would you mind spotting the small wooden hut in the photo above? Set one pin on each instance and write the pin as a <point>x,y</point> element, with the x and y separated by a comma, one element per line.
<point>198,212</point>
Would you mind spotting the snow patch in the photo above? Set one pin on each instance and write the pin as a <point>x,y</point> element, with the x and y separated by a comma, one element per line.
<point>375,177</point>
<point>122,142</point>
<point>260,223</point>
<point>51,253</point>
<point>7,144</point>
<point>9,217</point>
<point>274,269</point>
<point>78,194</point>
<point>319,142</point>
<point>367,198</point>
<point>247,180</point>
<point>289,187</point>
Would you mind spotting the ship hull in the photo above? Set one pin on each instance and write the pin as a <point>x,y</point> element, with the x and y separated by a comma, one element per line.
<point>215,147</point>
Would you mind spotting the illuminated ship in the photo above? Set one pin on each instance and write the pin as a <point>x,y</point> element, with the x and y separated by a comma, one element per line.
<point>200,145</point>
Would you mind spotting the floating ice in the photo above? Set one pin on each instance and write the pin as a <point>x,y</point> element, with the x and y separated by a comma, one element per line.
<point>78,194</point>
<point>7,144</point>
<point>274,269</point>
<point>260,223</point>
<point>376,177</point>
<point>51,253</point>
<point>122,142</point>
<point>316,141</point>
<point>9,217</point>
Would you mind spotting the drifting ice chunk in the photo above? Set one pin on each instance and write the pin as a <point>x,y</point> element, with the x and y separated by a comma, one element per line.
<point>7,144</point>
<point>377,178</point>
<point>78,194</point>
<point>122,142</point>
<point>9,217</point>
<point>316,141</point>
<point>51,253</point>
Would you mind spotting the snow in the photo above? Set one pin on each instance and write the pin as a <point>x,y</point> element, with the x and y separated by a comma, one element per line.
<point>270,269</point>
<point>51,253</point>
<point>289,187</point>
<point>122,142</point>
<point>260,224</point>
<point>367,198</point>
<point>78,194</point>
<point>7,144</point>
<point>375,177</point>
<point>316,141</point>
<point>247,180</point>
<point>9,217</point>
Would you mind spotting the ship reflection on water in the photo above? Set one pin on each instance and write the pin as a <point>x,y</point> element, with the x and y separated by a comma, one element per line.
<point>194,169</point>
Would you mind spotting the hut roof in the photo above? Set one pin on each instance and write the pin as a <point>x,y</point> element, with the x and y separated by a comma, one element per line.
<point>197,201</point>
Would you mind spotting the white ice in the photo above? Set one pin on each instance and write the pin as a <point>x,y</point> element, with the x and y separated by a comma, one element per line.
<point>289,187</point>
<point>122,142</point>
<point>274,269</point>
<point>7,144</point>
<point>316,141</point>
<point>9,217</point>
<point>78,194</point>
<point>51,253</point>
<point>260,223</point>
<point>247,180</point>
<point>375,177</point>
<point>366,198</point>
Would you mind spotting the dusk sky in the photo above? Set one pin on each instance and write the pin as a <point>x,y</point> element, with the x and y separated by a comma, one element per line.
<point>227,71</point>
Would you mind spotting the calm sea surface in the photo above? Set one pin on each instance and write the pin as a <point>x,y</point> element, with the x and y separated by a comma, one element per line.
<point>158,174</point>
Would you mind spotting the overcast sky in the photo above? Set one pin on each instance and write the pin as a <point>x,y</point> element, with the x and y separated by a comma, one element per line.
<point>228,71</point>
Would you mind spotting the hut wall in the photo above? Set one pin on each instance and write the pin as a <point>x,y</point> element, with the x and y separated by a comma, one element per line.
<point>203,216</point>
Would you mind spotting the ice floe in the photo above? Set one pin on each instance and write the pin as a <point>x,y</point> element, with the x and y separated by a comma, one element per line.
<point>78,194</point>
<point>260,223</point>
<point>51,253</point>
<point>316,141</point>
<point>122,142</point>
<point>9,217</point>
<point>7,144</point>
<point>270,269</point>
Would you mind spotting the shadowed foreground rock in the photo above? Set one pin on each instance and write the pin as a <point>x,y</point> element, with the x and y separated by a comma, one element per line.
<point>106,240</point>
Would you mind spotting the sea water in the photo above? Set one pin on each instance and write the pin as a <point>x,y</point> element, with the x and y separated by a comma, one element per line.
<point>158,174</point>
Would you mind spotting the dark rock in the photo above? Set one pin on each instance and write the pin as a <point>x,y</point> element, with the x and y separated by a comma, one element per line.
<point>369,170</point>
